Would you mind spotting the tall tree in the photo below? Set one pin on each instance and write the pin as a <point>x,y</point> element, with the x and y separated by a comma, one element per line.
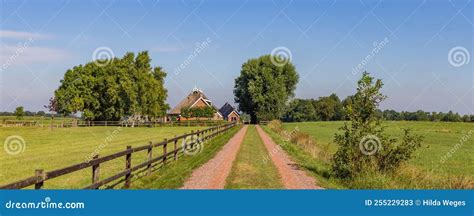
<point>263,88</point>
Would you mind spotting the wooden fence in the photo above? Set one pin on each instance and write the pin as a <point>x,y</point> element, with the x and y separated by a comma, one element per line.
<point>41,176</point>
<point>82,123</point>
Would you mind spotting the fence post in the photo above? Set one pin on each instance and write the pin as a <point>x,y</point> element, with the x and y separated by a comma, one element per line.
<point>175,148</point>
<point>165,151</point>
<point>95,171</point>
<point>40,179</point>
<point>128,165</point>
<point>191,144</point>
<point>198,132</point>
<point>150,147</point>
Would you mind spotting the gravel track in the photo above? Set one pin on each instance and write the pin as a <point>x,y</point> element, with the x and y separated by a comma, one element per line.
<point>213,174</point>
<point>291,176</point>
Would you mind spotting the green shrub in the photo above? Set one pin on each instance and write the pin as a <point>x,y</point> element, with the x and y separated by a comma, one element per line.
<point>364,147</point>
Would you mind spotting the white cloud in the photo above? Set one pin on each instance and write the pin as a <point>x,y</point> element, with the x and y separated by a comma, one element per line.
<point>26,53</point>
<point>21,35</point>
<point>22,50</point>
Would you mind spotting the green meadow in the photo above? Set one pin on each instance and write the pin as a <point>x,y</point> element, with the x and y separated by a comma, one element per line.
<point>439,139</point>
<point>48,149</point>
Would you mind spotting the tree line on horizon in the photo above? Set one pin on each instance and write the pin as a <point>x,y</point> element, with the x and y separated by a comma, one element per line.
<point>331,108</point>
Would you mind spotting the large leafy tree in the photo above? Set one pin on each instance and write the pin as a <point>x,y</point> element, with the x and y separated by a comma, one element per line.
<point>125,87</point>
<point>263,88</point>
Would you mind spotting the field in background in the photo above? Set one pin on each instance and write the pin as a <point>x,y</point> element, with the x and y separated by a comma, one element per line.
<point>52,149</point>
<point>39,119</point>
<point>439,139</point>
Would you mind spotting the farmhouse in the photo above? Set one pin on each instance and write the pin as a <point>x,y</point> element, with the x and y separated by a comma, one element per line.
<point>195,99</point>
<point>229,113</point>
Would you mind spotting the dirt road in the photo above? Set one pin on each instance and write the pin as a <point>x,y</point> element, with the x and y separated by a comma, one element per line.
<point>291,176</point>
<point>213,174</point>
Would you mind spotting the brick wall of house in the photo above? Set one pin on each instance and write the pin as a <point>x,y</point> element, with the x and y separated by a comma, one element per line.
<point>233,117</point>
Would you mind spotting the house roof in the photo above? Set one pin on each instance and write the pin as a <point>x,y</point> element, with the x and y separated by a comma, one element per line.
<point>190,100</point>
<point>226,109</point>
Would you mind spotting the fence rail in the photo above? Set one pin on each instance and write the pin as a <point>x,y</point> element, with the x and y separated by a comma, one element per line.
<point>83,123</point>
<point>201,135</point>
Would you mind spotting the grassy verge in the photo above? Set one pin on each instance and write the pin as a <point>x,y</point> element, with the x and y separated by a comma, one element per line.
<point>250,170</point>
<point>173,175</point>
<point>317,168</point>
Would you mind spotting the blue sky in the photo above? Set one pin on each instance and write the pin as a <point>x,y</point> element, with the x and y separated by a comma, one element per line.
<point>40,40</point>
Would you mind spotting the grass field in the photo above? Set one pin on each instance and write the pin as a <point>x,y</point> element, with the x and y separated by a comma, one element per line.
<point>250,170</point>
<point>52,149</point>
<point>439,139</point>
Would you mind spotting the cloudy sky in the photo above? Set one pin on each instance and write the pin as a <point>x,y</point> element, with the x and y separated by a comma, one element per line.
<point>420,49</point>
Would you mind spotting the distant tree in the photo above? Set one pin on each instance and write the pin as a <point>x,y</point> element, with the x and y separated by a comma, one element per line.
<point>245,117</point>
<point>29,113</point>
<point>326,108</point>
<point>421,115</point>
<point>19,112</point>
<point>435,116</point>
<point>40,113</point>
<point>451,117</point>
<point>363,144</point>
<point>299,110</point>
<point>466,118</point>
<point>391,115</point>
<point>263,88</point>
<point>338,108</point>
